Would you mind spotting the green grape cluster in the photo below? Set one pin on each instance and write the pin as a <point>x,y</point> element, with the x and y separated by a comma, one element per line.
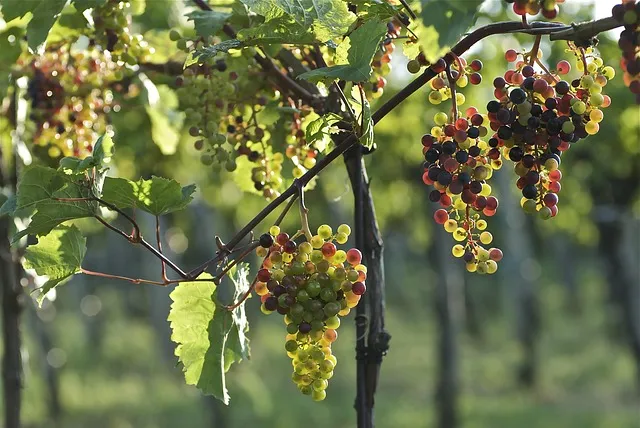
<point>312,284</point>
<point>222,99</point>
<point>112,31</point>
<point>70,95</point>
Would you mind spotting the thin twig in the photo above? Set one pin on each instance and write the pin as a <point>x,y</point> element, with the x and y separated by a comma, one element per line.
<point>452,88</point>
<point>534,50</point>
<point>164,267</point>
<point>286,209</point>
<point>304,215</point>
<point>235,261</point>
<point>124,278</point>
<point>346,103</point>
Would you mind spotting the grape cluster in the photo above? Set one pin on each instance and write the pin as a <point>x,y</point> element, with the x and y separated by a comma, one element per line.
<point>312,284</point>
<point>461,72</point>
<point>458,164</point>
<point>549,8</point>
<point>629,14</point>
<point>70,96</point>
<point>112,32</point>
<point>222,99</point>
<point>536,116</point>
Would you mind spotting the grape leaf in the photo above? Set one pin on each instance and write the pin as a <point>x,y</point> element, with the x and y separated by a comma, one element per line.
<point>363,44</point>
<point>282,29</point>
<point>208,22</point>
<point>9,206</point>
<point>37,184</point>
<point>201,55</point>
<point>45,13</point>
<point>366,131</point>
<point>369,9</point>
<point>450,18</point>
<point>157,196</point>
<point>103,149</point>
<point>238,343</point>
<point>58,255</point>
<point>209,338</point>
<point>10,50</point>
<point>327,19</point>
<point>83,5</point>
<point>318,132</point>
<point>51,212</point>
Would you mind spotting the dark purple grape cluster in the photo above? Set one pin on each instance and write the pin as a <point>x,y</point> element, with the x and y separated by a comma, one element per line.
<point>628,13</point>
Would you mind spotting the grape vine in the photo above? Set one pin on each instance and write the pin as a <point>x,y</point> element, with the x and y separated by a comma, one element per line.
<point>268,102</point>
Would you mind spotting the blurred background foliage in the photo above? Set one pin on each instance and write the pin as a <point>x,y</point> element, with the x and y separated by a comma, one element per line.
<point>546,343</point>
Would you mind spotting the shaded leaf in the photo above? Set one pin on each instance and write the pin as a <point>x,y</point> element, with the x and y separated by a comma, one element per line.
<point>45,15</point>
<point>450,18</point>
<point>9,206</point>
<point>157,196</point>
<point>283,29</point>
<point>318,132</point>
<point>82,5</point>
<point>38,183</point>
<point>58,255</point>
<point>208,22</point>
<point>103,149</point>
<point>51,212</point>
<point>363,44</point>
<point>327,19</point>
<point>201,55</point>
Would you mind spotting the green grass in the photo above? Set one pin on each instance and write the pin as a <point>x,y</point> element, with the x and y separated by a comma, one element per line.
<point>586,380</point>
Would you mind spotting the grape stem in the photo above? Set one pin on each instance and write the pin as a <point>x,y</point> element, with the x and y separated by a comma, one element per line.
<point>452,88</point>
<point>304,214</point>
<point>533,55</point>
<point>345,101</point>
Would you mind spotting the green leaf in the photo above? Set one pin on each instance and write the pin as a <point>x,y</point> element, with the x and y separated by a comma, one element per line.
<point>45,15</point>
<point>12,9</point>
<point>51,212</point>
<point>327,19</point>
<point>208,22</point>
<point>318,132</point>
<point>366,130</point>
<point>283,29</point>
<point>363,44</point>
<point>9,206</point>
<point>166,122</point>
<point>157,196</point>
<point>209,338</point>
<point>137,7</point>
<point>103,149</point>
<point>37,184</point>
<point>201,55</point>
<point>83,5</point>
<point>58,255</point>
<point>238,342</point>
<point>380,9</point>
<point>10,50</point>
<point>450,18</point>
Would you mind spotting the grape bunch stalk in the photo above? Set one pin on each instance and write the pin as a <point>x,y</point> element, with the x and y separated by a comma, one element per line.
<point>312,284</point>
<point>458,164</point>
<point>629,14</point>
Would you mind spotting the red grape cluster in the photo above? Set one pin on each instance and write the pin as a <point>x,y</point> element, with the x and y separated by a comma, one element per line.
<point>458,164</point>
<point>70,95</point>
<point>549,8</point>
<point>629,14</point>
<point>536,116</point>
<point>312,284</point>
